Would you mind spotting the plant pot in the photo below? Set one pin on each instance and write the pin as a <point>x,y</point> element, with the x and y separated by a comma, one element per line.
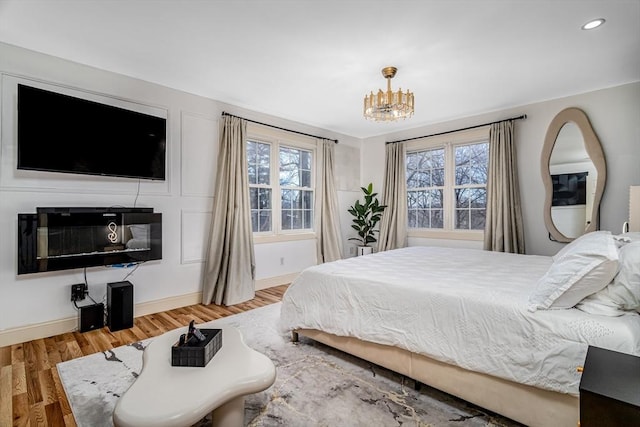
<point>364,250</point>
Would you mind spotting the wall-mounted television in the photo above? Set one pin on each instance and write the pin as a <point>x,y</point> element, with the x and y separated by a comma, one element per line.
<point>62,133</point>
<point>569,189</point>
<point>60,238</point>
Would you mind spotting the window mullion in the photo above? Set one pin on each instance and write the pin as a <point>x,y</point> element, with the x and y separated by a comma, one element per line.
<point>276,202</point>
<point>449,186</point>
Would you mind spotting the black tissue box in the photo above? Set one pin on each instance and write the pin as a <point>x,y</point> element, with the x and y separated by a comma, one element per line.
<point>199,354</point>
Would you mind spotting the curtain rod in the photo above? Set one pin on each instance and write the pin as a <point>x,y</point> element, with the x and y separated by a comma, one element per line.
<point>522,117</point>
<point>224,113</point>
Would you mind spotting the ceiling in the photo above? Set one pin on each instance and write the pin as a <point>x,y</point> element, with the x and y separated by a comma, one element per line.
<point>313,61</point>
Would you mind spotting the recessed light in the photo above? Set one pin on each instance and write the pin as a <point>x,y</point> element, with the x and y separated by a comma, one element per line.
<point>595,23</point>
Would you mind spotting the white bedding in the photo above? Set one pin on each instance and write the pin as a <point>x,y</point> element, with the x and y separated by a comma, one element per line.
<point>461,306</point>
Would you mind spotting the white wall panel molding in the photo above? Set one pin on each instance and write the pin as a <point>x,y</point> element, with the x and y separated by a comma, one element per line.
<point>12,179</point>
<point>199,154</point>
<point>194,235</point>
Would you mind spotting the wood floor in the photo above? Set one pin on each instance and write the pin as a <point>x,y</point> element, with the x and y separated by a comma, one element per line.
<point>31,393</point>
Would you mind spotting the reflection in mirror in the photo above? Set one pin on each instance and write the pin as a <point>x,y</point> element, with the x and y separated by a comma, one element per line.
<point>574,177</point>
<point>574,173</point>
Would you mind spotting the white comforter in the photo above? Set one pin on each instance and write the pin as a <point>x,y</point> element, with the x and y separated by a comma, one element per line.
<point>461,306</point>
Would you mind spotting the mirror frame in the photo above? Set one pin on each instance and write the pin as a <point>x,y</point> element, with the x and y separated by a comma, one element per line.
<point>594,150</point>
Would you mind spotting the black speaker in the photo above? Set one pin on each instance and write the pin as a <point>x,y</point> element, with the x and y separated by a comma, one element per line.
<point>90,317</point>
<point>119,305</point>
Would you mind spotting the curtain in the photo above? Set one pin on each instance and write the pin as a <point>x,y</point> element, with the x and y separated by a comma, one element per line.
<point>503,228</point>
<point>229,275</point>
<point>329,242</point>
<point>393,225</point>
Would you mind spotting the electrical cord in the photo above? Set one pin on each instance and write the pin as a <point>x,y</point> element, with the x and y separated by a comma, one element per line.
<point>137,194</point>
<point>86,289</point>
<point>132,271</point>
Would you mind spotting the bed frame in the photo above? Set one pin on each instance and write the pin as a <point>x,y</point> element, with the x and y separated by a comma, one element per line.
<point>523,403</point>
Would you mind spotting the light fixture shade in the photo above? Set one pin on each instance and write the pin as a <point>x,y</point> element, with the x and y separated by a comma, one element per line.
<point>388,106</point>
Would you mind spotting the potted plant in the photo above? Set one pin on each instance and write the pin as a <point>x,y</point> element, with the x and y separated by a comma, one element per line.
<point>366,216</point>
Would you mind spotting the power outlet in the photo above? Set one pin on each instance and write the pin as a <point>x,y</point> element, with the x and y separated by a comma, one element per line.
<point>78,292</point>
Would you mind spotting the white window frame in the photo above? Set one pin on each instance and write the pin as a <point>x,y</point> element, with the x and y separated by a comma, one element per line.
<point>277,139</point>
<point>448,142</point>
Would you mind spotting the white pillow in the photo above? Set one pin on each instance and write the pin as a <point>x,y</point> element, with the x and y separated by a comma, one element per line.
<point>582,268</point>
<point>624,238</point>
<point>580,242</point>
<point>623,293</point>
<point>634,236</point>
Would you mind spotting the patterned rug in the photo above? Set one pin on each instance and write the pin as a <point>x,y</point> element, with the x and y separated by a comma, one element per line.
<point>315,385</point>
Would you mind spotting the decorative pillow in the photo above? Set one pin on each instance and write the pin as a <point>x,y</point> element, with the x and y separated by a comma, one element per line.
<point>582,268</point>
<point>623,294</point>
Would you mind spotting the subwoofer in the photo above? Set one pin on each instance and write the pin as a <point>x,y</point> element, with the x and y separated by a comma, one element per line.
<point>90,317</point>
<point>119,305</point>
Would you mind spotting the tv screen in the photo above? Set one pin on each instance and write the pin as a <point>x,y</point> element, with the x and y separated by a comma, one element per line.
<point>569,189</point>
<point>62,133</point>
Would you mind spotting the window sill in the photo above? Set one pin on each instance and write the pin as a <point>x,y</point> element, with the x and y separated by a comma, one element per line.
<point>276,238</point>
<point>447,234</point>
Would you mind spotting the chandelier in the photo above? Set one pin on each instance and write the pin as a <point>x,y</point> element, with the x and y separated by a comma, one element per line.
<point>388,106</point>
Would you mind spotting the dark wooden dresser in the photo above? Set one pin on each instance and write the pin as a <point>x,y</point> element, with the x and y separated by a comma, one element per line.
<point>610,389</point>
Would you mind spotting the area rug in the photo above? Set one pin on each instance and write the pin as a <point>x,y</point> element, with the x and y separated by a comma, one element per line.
<point>315,385</point>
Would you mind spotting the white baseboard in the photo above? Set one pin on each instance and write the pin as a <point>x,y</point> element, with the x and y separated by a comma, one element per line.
<point>61,326</point>
<point>165,304</point>
<point>37,331</point>
<point>270,282</point>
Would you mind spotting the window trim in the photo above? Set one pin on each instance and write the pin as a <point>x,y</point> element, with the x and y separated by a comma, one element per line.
<point>276,138</point>
<point>448,141</point>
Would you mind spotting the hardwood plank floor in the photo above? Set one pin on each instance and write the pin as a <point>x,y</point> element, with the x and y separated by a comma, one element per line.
<point>31,393</point>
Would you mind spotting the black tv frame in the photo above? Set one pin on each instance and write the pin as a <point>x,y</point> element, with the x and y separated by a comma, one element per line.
<point>69,134</point>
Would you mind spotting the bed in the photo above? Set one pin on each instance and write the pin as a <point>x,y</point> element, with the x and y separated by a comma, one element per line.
<point>491,328</point>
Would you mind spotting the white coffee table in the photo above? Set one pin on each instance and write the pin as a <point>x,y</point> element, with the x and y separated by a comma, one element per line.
<point>165,395</point>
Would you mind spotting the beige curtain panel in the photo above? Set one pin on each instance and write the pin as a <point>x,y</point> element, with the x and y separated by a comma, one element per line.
<point>329,241</point>
<point>229,276</point>
<point>503,228</point>
<point>393,225</point>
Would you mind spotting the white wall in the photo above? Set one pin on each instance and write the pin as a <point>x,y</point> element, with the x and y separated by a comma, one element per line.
<point>615,116</point>
<point>185,198</point>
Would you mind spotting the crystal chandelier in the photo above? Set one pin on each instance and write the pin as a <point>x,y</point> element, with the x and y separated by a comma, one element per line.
<point>388,106</point>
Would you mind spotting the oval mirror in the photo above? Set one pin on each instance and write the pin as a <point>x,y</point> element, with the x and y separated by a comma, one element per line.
<point>574,174</point>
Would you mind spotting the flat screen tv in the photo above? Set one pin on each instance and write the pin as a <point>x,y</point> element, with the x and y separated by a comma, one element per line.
<point>62,133</point>
<point>569,189</point>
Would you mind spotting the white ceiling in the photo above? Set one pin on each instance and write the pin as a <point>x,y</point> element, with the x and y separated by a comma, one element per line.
<point>313,61</point>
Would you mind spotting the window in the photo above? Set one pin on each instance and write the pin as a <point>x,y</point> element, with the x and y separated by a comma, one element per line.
<point>425,188</point>
<point>295,189</point>
<point>281,187</point>
<point>260,190</point>
<point>446,183</point>
<point>470,186</point>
